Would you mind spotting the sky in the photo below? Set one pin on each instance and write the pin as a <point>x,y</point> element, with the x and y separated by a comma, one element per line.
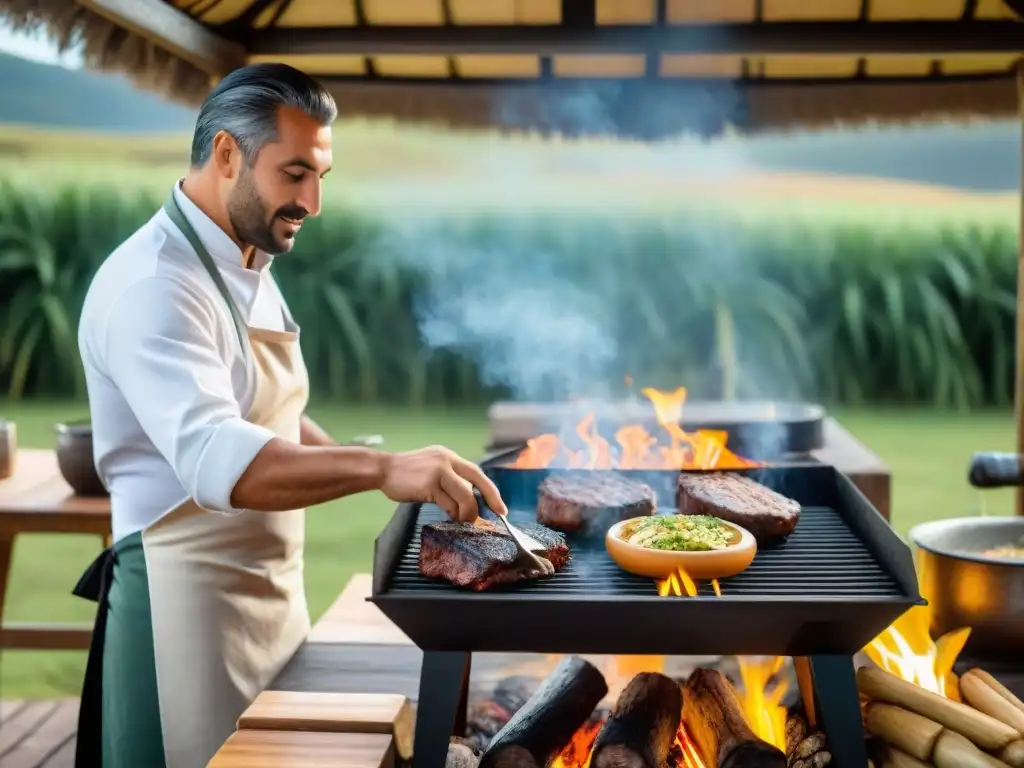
<point>36,47</point>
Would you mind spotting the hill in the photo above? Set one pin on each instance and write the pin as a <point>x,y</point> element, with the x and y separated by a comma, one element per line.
<point>35,94</point>
<point>981,157</point>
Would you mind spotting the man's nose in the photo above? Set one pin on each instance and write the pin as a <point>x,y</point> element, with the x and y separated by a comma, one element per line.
<point>311,197</point>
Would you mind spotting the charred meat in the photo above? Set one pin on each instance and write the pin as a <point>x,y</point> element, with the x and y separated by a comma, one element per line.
<point>768,515</point>
<point>572,503</point>
<point>480,556</point>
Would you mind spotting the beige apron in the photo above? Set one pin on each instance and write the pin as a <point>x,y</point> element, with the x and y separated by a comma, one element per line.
<point>228,601</point>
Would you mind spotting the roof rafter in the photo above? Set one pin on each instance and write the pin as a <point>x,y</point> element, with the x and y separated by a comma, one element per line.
<point>779,38</point>
<point>175,31</point>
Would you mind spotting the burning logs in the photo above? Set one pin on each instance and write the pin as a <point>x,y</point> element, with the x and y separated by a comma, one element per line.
<point>806,747</point>
<point>934,730</point>
<point>715,722</point>
<point>642,727</point>
<point>545,724</point>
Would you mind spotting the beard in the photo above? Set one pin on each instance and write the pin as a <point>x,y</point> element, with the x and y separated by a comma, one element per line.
<point>253,223</point>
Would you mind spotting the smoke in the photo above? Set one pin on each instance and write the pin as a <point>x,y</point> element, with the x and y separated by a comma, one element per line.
<point>502,299</point>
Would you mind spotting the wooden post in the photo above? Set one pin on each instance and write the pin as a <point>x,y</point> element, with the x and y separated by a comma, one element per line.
<point>1018,394</point>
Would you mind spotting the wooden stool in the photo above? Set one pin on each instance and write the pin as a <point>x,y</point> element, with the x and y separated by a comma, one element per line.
<point>355,713</point>
<point>302,749</point>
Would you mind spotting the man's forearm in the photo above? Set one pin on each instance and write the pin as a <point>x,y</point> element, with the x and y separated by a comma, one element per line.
<point>286,476</point>
<point>310,433</point>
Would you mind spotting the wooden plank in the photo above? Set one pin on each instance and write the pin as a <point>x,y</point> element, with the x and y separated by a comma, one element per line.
<point>285,749</point>
<point>46,637</point>
<point>10,707</point>
<point>23,724</point>
<point>746,39</point>
<point>47,739</point>
<point>389,714</point>
<point>173,30</point>
<point>64,758</point>
<point>351,619</point>
<point>37,499</point>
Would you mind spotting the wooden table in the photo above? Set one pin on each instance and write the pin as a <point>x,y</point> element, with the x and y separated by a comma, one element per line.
<point>36,499</point>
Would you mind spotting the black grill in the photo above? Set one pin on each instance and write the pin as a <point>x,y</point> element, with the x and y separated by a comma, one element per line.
<point>822,559</point>
<point>825,593</point>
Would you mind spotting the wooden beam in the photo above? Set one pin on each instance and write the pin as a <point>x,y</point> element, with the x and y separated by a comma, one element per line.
<point>173,30</point>
<point>758,39</point>
<point>1018,391</point>
<point>45,637</point>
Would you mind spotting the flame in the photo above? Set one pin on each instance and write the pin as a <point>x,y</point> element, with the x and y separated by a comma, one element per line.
<point>680,583</point>
<point>577,752</point>
<point>906,649</point>
<point>635,447</point>
<point>761,703</point>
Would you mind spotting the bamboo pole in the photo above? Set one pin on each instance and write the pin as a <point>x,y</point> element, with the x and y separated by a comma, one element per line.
<point>1018,394</point>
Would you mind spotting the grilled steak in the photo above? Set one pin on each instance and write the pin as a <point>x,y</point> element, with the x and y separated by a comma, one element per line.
<point>768,515</point>
<point>591,500</point>
<point>480,556</point>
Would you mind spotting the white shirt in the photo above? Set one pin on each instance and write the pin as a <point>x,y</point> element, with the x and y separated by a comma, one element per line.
<point>169,384</point>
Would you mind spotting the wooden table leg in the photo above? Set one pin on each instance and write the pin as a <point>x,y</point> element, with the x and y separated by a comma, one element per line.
<point>6,557</point>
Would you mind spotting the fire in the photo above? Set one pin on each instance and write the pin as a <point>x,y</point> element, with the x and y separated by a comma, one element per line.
<point>635,447</point>
<point>906,649</point>
<point>680,583</point>
<point>763,707</point>
<point>577,753</point>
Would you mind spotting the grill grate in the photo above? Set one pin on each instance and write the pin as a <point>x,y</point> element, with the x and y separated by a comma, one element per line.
<point>823,558</point>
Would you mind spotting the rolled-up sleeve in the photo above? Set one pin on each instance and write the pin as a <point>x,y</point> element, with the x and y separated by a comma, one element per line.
<point>162,353</point>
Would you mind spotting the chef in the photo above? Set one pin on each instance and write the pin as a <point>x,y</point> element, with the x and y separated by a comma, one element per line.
<point>197,391</point>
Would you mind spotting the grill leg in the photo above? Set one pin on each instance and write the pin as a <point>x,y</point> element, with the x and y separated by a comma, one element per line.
<point>838,705</point>
<point>441,709</point>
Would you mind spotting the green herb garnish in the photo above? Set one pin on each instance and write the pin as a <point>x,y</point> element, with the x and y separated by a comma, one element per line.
<point>680,533</point>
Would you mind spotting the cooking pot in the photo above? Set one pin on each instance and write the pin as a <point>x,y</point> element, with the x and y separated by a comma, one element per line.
<point>75,458</point>
<point>8,448</point>
<point>965,588</point>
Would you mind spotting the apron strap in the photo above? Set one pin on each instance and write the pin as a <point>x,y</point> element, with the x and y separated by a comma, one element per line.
<point>173,211</point>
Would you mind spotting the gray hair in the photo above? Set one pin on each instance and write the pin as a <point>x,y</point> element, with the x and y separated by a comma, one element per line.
<point>246,102</point>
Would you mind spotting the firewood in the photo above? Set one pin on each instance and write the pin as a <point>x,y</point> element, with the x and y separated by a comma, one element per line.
<point>984,731</point>
<point>923,739</point>
<point>720,732</point>
<point>642,727</point>
<point>897,758</point>
<point>1013,754</point>
<point>984,698</point>
<point>998,687</point>
<point>806,747</point>
<point>461,756</point>
<point>545,724</point>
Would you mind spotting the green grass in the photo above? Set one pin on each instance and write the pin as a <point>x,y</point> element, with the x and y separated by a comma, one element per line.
<point>927,453</point>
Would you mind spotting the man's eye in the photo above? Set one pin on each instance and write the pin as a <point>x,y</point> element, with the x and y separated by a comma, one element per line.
<point>293,176</point>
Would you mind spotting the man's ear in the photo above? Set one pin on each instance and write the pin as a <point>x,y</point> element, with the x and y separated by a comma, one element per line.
<point>227,155</point>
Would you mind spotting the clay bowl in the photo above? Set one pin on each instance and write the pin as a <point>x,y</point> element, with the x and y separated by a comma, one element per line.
<point>660,564</point>
<point>8,448</point>
<point>75,459</point>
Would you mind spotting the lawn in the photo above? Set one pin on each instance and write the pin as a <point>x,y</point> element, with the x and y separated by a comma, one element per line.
<point>927,452</point>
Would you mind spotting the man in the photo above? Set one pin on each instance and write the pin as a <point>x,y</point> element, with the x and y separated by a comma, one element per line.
<point>197,391</point>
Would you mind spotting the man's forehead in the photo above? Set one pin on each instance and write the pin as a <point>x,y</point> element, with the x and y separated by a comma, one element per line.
<point>300,135</point>
<point>295,126</point>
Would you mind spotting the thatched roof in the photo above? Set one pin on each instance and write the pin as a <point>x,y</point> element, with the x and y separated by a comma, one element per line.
<point>638,67</point>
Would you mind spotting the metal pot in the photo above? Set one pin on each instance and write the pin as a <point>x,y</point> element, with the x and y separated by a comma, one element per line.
<point>75,459</point>
<point>967,589</point>
<point>8,448</point>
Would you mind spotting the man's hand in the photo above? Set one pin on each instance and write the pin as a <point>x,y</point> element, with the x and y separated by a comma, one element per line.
<point>438,475</point>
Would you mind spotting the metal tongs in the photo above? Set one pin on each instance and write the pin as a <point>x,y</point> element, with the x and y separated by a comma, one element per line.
<point>525,545</point>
